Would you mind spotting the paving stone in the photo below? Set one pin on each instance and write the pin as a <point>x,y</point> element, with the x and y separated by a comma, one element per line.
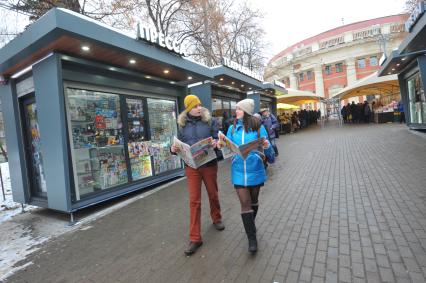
<point>344,274</point>
<point>336,207</point>
<point>358,270</point>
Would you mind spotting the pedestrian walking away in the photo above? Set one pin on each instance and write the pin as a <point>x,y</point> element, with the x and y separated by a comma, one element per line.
<point>248,175</point>
<point>195,124</point>
<point>271,124</point>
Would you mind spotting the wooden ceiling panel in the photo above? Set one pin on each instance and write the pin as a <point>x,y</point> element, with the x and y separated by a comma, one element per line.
<point>101,53</point>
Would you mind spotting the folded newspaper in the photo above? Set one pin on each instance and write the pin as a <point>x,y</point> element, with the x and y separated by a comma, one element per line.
<point>197,154</point>
<point>230,148</point>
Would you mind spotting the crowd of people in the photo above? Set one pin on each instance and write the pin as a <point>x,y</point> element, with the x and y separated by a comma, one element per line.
<point>358,113</point>
<point>299,120</point>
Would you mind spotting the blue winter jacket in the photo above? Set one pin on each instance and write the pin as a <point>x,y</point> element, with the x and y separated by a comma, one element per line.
<point>249,172</point>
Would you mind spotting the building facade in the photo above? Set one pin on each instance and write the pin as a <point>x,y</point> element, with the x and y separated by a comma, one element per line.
<point>90,112</point>
<point>409,63</point>
<point>326,63</point>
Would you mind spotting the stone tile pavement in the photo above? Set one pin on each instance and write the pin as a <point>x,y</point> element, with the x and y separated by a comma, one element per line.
<point>343,204</point>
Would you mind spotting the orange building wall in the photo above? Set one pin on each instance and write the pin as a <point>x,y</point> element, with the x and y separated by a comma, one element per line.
<point>334,78</point>
<point>368,70</point>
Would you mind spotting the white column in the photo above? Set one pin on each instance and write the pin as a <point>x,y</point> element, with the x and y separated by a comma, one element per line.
<point>350,71</point>
<point>293,81</point>
<point>319,83</point>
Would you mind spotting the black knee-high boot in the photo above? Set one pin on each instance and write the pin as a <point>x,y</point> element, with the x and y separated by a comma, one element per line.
<point>250,228</point>
<point>255,207</point>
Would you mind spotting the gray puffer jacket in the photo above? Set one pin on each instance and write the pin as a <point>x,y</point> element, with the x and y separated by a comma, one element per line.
<point>193,129</point>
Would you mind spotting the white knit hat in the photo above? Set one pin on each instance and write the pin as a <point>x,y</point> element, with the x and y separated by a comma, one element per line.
<point>247,105</point>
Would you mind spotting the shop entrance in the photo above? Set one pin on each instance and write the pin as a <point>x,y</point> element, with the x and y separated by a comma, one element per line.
<point>416,100</point>
<point>34,156</point>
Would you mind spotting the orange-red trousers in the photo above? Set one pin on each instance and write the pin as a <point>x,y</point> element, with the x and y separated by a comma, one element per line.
<point>194,177</point>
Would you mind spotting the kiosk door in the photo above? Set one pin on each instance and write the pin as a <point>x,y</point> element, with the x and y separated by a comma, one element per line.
<point>34,155</point>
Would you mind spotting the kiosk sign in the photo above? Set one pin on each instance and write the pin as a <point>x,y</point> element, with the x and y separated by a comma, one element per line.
<point>237,67</point>
<point>415,15</point>
<point>278,83</point>
<point>158,38</point>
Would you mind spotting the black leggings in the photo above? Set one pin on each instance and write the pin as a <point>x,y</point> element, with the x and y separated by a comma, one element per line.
<point>248,197</point>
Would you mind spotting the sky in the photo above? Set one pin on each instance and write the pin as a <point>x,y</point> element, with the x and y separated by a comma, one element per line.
<point>288,22</point>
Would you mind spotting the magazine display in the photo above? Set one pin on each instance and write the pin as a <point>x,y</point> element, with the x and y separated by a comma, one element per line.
<point>197,154</point>
<point>230,148</point>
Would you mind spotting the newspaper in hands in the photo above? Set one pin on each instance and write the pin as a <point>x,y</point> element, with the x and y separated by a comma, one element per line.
<point>230,148</point>
<point>197,154</point>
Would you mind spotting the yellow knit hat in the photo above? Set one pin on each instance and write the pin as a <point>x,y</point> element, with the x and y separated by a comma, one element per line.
<point>190,102</point>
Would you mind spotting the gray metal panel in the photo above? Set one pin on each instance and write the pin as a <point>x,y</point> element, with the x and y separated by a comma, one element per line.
<point>204,92</point>
<point>421,61</point>
<point>51,118</point>
<point>14,142</point>
<point>25,43</point>
<point>222,70</point>
<point>57,22</point>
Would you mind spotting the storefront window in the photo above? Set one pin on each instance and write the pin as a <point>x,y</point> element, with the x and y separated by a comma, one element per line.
<point>162,119</point>
<point>265,105</point>
<point>97,140</point>
<point>233,107</point>
<point>416,97</point>
<point>217,107</point>
<point>138,147</point>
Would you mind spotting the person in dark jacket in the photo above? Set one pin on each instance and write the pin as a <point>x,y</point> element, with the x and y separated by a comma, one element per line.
<point>195,124</point>
<point>367,112</point>
<point>401,112</point>
<point>248,175</point>
<point>270,123</point>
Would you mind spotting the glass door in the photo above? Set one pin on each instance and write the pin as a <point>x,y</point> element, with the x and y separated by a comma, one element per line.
<point>416,100</point>
<point>33,147</point>
<point>137,145</point>
<point>163,126</point>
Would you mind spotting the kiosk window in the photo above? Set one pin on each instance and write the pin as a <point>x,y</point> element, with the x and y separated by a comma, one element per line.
<point>138,147</point>
<point>97,140</point>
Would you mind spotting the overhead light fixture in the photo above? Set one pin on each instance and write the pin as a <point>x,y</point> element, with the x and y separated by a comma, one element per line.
<point>85,48</point>
<point>233,83</point>
<point>132,61</point>
<point>221,79</point>
<point>166,71</point>
<point>390,73</point>
<point>250,88</point>
<point>111,68</point>
<point>398,64</point>
<point>242,85</point>
<point>393,69</point>
<point>147,77</point>
<point>172,82</point>
<point>403,59</point>
<point>189,78</point>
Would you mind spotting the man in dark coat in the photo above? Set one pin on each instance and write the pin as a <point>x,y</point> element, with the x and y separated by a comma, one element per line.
<point>195,124</point>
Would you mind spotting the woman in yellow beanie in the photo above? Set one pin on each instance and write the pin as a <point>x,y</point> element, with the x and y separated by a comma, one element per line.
<point>195,124</point>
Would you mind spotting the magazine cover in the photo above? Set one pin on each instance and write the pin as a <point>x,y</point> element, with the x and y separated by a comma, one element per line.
<point>230,148</point>
<point>197,154</point>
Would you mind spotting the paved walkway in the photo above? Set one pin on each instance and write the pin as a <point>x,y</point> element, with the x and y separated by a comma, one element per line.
<point>343,204</point>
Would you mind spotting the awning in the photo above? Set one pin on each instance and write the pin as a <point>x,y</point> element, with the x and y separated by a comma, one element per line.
<point>297,97</point>
<point>370,85</point>
<point>285,106</point>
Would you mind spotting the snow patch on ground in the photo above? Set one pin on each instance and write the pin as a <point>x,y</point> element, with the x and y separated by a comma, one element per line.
<point>23,233</point>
